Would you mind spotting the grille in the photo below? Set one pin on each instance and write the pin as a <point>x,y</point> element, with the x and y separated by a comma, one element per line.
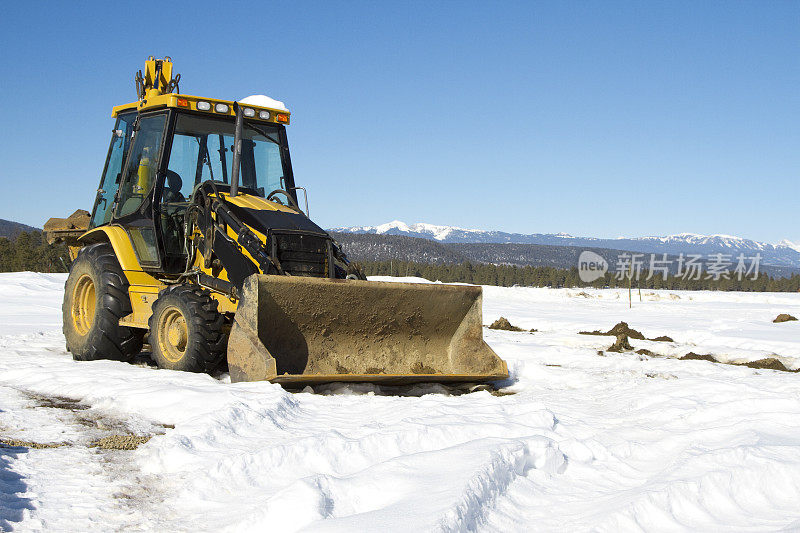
<point>301,254</point>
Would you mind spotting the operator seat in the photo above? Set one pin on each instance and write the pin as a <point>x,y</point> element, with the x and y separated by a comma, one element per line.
<point>173,206</point>
<point>172,188</point>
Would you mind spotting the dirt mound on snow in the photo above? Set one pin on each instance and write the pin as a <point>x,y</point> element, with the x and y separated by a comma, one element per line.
<point>622,344</point>
<point>783,317</point>
<point>503,324</point>
<point>691,356</point>
<point>623,329</point>
<point>768,363</point>
<point>620,329</point>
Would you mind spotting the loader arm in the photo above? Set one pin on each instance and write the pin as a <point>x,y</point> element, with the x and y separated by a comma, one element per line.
<point>249,235</point>
<point>315,326</point>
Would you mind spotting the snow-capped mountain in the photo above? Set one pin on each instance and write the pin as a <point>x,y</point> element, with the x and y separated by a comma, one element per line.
<point>420,229</point>
<point>785,253</point>
<point>719,241</point>
<point>790,244</point>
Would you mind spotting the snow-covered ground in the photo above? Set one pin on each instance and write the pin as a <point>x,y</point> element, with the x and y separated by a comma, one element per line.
<point>581,441</point>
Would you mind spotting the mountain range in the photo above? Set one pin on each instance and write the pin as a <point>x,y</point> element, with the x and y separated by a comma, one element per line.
<point>10,229</point>
<point>784,254</point>
<point>429,243</point>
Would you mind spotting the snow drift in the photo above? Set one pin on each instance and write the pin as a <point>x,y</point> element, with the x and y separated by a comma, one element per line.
<point>577,440</point>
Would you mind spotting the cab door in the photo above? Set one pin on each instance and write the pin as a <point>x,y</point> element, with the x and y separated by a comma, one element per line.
<point>112,172</point>
<point>134,206</point>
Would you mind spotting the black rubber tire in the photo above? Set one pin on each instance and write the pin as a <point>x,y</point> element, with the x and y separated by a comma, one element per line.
<point>206,341</point>
<point>105,338</point>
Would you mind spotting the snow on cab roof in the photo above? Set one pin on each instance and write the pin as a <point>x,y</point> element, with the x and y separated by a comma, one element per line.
<point>262,100</point>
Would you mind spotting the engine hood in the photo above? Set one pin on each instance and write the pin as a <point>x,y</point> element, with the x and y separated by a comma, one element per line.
<point>265,216</point>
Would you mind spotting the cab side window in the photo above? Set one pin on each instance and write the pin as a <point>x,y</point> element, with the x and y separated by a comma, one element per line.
<point>120,142</point>
<point>184,164</point>
<point>140,170</point>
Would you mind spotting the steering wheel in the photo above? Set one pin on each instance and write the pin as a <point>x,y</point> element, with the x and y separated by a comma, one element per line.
<point>292,203</point>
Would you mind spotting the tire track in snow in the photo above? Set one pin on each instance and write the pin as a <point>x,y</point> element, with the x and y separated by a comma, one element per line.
<point>305,443</point>
<point>37,484</point>
<point>667,453</point>
<point>491,482</point>
<point>477,473</point>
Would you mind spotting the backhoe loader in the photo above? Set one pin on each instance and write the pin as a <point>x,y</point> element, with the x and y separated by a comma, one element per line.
<point>197,245</point>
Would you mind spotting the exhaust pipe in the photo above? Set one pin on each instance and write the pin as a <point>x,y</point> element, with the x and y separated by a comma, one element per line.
<point>237,149</point>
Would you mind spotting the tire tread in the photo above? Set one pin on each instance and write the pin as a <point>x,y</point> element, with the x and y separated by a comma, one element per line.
<point>108,340</point>
<point>207,340</point>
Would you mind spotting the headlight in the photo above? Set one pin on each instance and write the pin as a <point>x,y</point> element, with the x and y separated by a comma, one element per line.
<point>264,115</point>
<point>203,106</point>
<point>249,112</point>
<point>221,108</point>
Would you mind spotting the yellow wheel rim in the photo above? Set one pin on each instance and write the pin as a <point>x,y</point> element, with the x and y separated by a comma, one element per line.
<point>173,334</point>
<point>83,304</point>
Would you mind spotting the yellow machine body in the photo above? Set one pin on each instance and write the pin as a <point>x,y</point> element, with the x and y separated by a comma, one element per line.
<point>144,287</point>
<point>189,103</point>
<point>291,329</point>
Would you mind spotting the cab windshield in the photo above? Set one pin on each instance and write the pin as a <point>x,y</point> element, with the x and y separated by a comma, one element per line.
<point>202,149</point>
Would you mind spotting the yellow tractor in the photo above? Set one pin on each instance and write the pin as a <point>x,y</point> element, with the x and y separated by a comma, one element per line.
<point>197,245</point>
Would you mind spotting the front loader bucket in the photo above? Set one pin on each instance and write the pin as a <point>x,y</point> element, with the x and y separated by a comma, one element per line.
<point>291,329</point>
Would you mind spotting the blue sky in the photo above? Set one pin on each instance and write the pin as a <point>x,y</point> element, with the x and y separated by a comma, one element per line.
<point>591,118</point>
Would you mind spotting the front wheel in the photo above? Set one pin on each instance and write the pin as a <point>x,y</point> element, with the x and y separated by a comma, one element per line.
<point>95,298</point>
<point>186,330</point>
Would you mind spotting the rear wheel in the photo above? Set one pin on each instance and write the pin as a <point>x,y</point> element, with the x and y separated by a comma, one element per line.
<point>95,298</point>
<point>186,330</point>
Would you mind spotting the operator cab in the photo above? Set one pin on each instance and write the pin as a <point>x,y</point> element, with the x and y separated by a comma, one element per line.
<point>165,145</point>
